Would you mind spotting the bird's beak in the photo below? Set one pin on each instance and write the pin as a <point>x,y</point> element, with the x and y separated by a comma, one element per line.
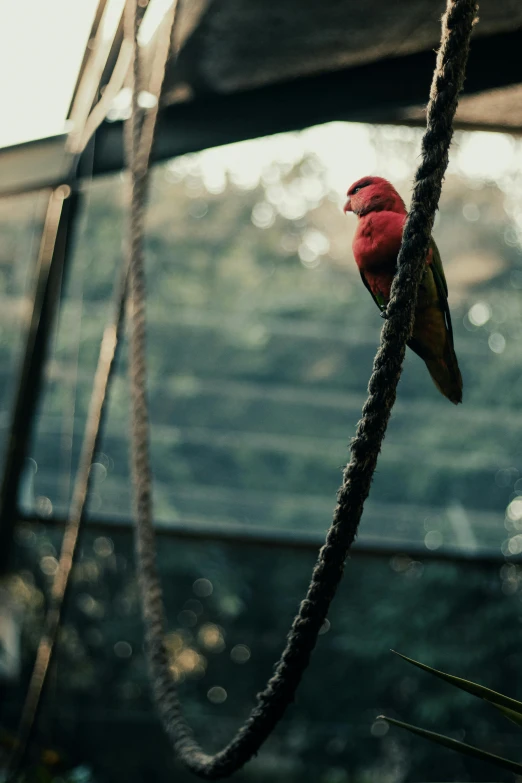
<point>348,206</point>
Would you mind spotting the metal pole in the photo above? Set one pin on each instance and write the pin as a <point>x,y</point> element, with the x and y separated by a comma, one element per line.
<point>236,534</point>
<point>56,239</point>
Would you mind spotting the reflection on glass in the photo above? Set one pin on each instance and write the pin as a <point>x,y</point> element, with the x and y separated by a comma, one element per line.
<point>261,340</point>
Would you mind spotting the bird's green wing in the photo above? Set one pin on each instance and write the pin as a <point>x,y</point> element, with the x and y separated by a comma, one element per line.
<point>379,300</point>
<point>440,282</point>
<point>438,269</point>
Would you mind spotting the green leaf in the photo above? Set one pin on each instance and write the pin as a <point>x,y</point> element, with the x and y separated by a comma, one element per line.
<point>460,747</point>
<point>516,717</point>
<point>511,708</point>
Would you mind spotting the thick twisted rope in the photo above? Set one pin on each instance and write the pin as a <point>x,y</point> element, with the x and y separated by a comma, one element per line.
<point>365,447</point>
<point>98,401</point>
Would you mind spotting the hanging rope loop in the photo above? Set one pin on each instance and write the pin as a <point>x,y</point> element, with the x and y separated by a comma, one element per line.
<point>102,380</point>
<point>365,447</point>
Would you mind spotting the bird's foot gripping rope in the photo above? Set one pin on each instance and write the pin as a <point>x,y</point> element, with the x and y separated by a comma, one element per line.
<point>365,447</point>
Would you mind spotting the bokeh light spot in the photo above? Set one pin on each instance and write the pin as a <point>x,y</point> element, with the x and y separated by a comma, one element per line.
<point>240,653</point>
<point>103,546</point>
<point>497,342</point>
<point>479,314</point>
<point>433,540</point>
<point>122,649</point>
<point>217,694</point>
<point>203,588</point>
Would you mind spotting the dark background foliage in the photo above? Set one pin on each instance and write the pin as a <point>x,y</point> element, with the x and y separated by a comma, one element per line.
<point>261,339</point>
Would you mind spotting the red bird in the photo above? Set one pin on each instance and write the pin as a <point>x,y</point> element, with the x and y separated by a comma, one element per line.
<point>381,217</point>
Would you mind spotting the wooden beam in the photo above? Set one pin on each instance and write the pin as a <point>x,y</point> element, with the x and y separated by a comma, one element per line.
<point>368,93</point>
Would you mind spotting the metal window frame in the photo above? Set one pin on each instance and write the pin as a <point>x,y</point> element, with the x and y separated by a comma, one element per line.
<point>358,94</point>
<point>258,536</point>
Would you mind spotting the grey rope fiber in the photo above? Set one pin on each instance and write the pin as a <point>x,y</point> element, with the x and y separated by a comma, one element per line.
<point>97,406</point>
<point>448,79</point>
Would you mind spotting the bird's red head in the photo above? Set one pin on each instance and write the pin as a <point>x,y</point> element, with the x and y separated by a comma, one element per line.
<point>373,194</point>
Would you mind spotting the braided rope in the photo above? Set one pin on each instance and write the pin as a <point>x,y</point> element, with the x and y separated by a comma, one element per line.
<point>98,402</point>
<point>280,690</point>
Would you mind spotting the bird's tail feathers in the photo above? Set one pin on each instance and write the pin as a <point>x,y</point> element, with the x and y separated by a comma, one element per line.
<point>446,375</point>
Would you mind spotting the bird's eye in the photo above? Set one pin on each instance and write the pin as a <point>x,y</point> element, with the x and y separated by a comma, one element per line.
<point>361,186</point>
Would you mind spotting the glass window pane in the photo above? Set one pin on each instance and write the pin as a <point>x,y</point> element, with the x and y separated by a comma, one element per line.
<point>262,336</point>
